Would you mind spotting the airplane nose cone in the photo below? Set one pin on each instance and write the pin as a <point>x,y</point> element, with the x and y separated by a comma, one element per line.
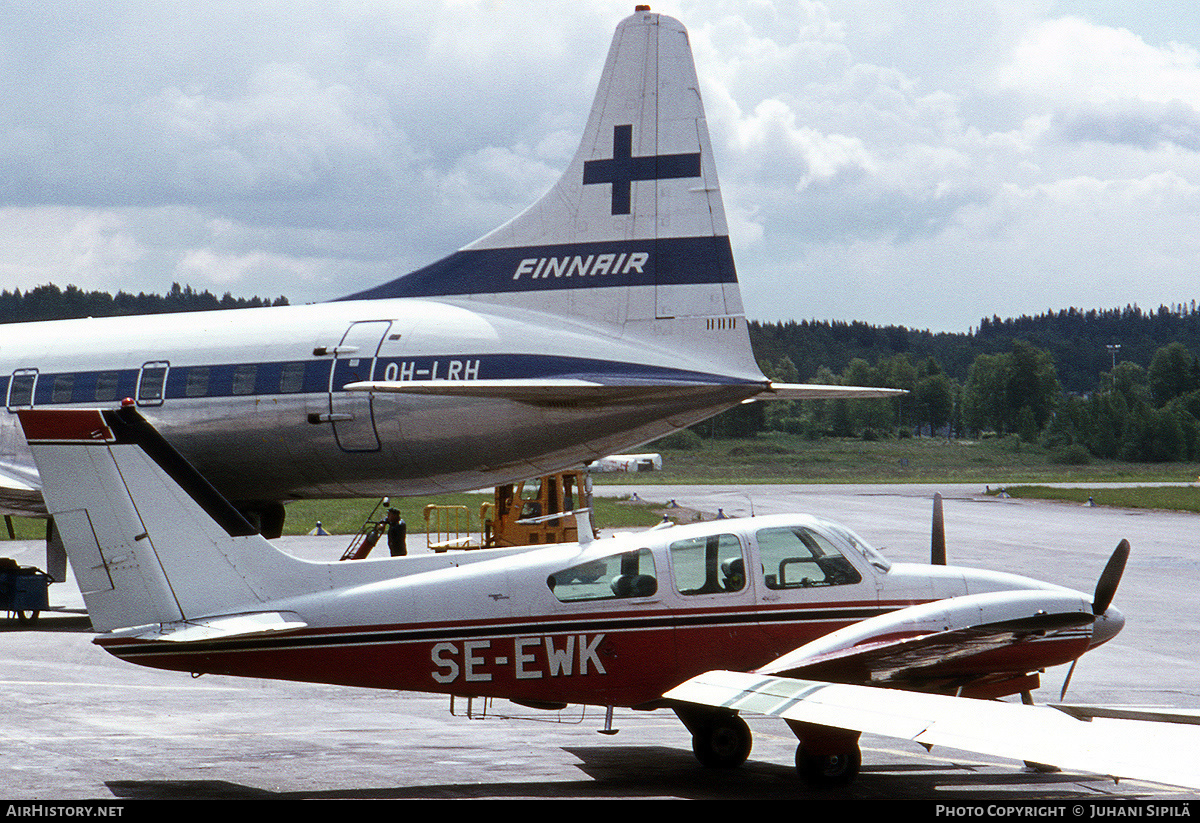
<point>1107,626</point>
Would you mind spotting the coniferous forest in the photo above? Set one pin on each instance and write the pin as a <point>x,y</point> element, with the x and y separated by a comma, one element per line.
<point>50,302</point>
<point>1115,384</point>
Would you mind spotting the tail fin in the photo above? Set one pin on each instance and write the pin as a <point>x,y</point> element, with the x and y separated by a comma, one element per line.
<point>634,233</point>
<point>160,557</point>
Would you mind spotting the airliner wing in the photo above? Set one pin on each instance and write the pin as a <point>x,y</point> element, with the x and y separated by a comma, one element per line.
<point>1135,749</point>
<point>19,489</point>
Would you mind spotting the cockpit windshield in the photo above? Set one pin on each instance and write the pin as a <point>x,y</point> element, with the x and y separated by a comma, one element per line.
<point>869,552</point>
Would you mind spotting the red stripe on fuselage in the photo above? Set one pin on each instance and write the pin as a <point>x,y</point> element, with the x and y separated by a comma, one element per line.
<point>624,659</point>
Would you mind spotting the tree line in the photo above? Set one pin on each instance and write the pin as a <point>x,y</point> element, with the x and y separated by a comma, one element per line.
<point>1118,384</point>
<point>49,302</point>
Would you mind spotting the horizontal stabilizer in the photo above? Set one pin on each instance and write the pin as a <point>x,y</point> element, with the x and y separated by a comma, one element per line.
<point>1158,752</point>
<point>816,391</point>
<point>211,628</point>
<point>578,390</point>
<point>554,390</point>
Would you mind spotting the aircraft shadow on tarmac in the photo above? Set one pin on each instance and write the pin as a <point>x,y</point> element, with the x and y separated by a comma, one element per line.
<point>655,771</point>
<point>61,622</point>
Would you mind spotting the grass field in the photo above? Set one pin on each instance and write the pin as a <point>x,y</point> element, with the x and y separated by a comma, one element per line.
<point>781,458</point>
<point>347,516</point>
<point>1168,498</point>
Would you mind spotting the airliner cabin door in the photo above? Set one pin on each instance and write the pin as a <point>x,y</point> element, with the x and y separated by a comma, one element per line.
<point>352,413</point>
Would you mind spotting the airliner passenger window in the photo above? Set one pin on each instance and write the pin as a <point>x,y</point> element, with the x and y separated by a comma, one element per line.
<point>626,575</point>
<point>796,557</point>
<point>197,381</point>
<point>106,386</point>
<point>708,565</point>
<point>243,379</point>
<point>291,378</point>
<point>63,388</point>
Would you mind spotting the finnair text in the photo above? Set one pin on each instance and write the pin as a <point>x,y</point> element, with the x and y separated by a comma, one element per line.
<point>579,266</point>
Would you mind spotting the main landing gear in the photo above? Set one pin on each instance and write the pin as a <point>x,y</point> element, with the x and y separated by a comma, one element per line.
<point>720,739</point>
<point>825,757</point>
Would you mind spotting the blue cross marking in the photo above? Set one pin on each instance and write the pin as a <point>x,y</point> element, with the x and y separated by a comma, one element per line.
<point>624,168</point>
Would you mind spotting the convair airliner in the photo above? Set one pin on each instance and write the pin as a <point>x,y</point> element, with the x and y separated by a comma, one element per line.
<point>604,316</point>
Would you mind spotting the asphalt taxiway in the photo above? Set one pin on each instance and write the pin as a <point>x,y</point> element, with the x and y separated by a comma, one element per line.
<point>79,724</point>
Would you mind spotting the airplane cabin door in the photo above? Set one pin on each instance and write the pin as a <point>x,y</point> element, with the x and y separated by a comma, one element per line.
<point>352,413</point>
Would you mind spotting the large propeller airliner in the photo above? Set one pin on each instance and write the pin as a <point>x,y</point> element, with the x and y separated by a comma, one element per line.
<point>606,315</point>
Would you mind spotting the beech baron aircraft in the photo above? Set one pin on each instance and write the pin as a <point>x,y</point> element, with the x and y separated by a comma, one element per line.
<point>605,316</point>
<point>784,615</point>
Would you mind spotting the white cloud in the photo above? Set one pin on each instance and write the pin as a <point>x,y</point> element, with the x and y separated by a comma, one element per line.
<point>1070,59</point>
<point>956,160</point>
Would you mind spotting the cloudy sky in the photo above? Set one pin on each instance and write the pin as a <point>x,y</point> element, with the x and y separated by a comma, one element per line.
<point>891,161</point>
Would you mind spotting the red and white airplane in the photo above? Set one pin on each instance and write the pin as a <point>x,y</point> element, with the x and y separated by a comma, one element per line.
<point>788,615</point>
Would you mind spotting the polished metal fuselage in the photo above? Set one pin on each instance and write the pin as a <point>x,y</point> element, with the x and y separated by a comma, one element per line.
<point>226,401</point>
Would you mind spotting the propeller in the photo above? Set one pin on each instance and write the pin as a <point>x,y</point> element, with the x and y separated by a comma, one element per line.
<point>937,551</point>
<point>1106,588</point>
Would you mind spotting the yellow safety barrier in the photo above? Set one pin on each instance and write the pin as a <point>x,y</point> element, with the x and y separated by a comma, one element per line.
<point>448,527</point>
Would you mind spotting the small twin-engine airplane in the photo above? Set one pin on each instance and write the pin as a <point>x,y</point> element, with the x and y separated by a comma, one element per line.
<point>787,615</point>
<point>605,316</point>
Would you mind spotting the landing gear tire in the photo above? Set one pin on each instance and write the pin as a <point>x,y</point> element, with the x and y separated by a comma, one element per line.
<point>27,616</point>
<point>723,742</point>
<point>828,769</point>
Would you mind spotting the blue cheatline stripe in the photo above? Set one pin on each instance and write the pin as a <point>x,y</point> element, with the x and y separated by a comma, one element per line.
<point>312,376</point>
<point>673,261</point>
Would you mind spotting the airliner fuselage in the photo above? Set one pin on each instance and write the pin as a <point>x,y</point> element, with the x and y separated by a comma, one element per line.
<point>279,373</point>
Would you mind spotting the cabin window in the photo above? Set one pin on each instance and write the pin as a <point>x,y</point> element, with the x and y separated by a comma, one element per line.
<point>20,389</point>
<point>106,386</point>
<point>63,388</point>
<point>708,565</point>
<point>243,379</point>
<point>797,557</point>
<point>152,381</point>
<point>197,381</point>
<point>626,575</point>
<point>291,378</point>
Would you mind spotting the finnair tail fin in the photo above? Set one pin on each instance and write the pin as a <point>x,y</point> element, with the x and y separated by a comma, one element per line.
<point>634,233</point>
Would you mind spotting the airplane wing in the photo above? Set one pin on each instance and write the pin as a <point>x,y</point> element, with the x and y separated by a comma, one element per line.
<point>1124,748</point>
<point>20,491</point>
<point>580,390</point>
